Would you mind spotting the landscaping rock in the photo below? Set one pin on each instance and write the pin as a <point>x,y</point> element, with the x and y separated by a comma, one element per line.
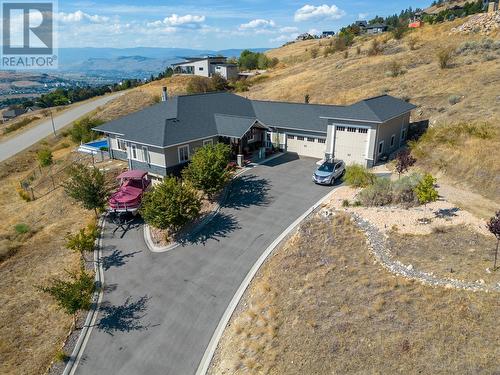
<point>484,23</point>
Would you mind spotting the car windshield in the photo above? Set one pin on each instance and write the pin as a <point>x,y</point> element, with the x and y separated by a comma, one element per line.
<point>326,167</point>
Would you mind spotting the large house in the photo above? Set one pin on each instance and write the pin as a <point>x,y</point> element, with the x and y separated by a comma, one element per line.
<point>163,137</point>
<point>206,67</point>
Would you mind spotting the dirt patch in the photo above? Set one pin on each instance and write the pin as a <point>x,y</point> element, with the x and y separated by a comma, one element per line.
<point>335,311</point>
<point>450,252</point>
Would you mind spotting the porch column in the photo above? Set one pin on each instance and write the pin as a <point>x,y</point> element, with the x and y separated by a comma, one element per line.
<point>239,157</point>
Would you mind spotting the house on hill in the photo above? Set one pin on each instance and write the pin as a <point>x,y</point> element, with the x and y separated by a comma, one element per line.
<point>206,67</point>
<point>162,138</point>
<point>327,34</point>
<point>12,113</point>
<point>376,28</point>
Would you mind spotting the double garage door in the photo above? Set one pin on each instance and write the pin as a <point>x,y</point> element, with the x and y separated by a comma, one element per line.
<point>313,147</point>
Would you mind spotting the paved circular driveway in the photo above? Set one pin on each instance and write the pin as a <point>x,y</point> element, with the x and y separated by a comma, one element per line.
<point>161,309</point>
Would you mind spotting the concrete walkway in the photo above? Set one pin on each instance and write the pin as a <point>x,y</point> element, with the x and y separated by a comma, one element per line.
<point>161,309</point>
<point>18,143</point>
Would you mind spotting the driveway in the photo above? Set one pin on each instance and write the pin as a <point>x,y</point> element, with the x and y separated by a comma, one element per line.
<point>28,138</point>
<point>161,309</point>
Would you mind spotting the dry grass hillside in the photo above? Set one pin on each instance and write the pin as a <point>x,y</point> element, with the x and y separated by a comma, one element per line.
<point>465,92</point>
<point>32,327</point>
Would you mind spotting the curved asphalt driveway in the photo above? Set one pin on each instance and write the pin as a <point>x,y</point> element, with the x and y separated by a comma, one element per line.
<point>161,309</point>
<point>16,144</point>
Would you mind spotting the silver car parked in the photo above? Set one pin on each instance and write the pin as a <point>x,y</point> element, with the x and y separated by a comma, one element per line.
<point>328,172</point>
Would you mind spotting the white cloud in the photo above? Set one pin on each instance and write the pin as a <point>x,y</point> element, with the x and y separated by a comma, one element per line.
<point>363,16</point>
<point>314,32</point>
<point>284,38</point>
<point>79,16</point>
<point>321,12</point>
<point>257,23</point>
<point>188,19</point>
<point>289,29</point>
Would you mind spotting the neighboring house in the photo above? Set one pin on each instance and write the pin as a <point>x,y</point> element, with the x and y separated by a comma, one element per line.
<point>305,36</point>
<point>206,67</point>
<point>327,34</point>
<point>33,108</point>
<point>490,6</point>
<point>362,26</point>
<point>163,137</point>
<point>12,113</point>
<point>376,28</point>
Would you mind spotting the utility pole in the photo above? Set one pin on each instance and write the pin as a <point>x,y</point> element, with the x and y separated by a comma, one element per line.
<point>53,126</point>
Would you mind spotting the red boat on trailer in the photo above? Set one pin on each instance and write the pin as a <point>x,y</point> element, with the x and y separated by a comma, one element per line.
<point>128,197</point>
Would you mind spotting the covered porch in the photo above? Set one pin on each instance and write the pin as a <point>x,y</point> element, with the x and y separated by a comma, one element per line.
<point>252,145</point>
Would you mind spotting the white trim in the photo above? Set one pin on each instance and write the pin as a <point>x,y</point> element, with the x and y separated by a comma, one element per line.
<point>107,131</point>
<point>367,150</point>
<point>208,142</point>
<point>304,135</point>
<point>145,155</point>
<point>118,140</point>
<point>179,153</point>
<point>373,122</point>
<point>299,129</point>
<point>133,147</point>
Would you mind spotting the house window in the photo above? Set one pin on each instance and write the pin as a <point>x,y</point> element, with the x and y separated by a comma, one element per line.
<point>351,130</point>
<point>363,131</point>
<point>208,142</point>
<point>310,139</point>
<point>200,68</point>
<point>183,153</point>
<point>381,147</point>
<point>145,152</point>
<point>289,136</point>
<point>133,152</point>
<point>121,144</point>
<point>321,140</point>
<point>393,137</point>
<point>341,128</point>
<point>403,134</point>
<point>299,138</point>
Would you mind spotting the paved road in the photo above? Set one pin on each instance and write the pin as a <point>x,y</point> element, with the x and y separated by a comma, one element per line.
<point>24,140</point>
<point>161,309</point>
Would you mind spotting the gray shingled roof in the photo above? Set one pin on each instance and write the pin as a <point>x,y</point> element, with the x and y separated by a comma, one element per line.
<point>188,117</point>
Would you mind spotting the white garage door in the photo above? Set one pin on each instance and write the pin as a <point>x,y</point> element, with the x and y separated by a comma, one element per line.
<point>313,147</point>
<point>351,144</point>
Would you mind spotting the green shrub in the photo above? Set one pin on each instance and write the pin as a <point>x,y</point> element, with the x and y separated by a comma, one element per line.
<point>425,190</point>
<point>399,31</point>
<point>207,170</point>
<point>454,99</point>
<point>22,228</point>
<point>82,132</point>
<point>357,203</point>
<point>345,203</point>
<point>44,157</point>
<point>171,204</point>
<point>444,56</point>
<point>74,294</point>
<point>82,241</point>
<point>358,176</point>
<point>377,194</point>
<point>25,196</point>
<point>61,356</point>
<point>403,190</point>
<point>375,48</point>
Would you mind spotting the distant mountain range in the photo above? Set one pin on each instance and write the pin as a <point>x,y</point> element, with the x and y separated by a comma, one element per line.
<point>139,62</point>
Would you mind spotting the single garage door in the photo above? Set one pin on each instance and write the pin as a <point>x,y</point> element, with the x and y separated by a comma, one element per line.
<point>313,147</point>
<point>351,144</point>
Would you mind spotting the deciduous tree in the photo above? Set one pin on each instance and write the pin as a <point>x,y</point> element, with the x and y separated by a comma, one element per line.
<point>207,170</point>
<point>87,186</point>
<point>171,204</point>
<point>404,160</point>
<point>494,227</point>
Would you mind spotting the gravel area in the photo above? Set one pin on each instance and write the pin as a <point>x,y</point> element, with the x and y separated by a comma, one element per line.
<point>415,220</point>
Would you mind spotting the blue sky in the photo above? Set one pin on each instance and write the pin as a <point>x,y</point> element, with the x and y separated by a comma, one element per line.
<point>204,24</point>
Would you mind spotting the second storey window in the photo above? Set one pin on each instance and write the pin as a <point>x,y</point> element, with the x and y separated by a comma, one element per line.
<point>145,152</point>
<point>183,153</point>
